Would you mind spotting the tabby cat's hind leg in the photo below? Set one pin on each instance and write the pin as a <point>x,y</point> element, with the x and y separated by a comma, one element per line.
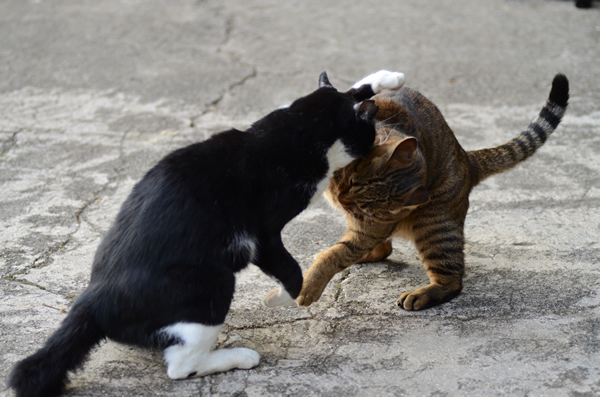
<point>380,252</point>
<point>440,246</point>
<point>194,355</point>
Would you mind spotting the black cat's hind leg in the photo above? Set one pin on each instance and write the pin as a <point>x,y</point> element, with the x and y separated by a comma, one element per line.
<point>194,354</point>
<point>198,298</point>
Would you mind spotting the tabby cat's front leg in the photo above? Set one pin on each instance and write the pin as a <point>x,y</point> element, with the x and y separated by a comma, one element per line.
<point>440,245</point>
<point>379,253</point>
<point>360,240</point>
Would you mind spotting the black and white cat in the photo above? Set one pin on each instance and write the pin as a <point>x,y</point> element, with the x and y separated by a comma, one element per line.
<point>163,276</point>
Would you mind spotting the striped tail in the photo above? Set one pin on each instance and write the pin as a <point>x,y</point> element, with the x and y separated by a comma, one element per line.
<point>44,374</point>
<point>487,162</point>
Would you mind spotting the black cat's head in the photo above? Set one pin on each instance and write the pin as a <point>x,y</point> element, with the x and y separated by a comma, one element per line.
<point>358,117</point>
<point>335,118</point>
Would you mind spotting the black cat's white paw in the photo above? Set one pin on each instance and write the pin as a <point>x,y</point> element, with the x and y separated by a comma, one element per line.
<point>382,80</point>
<point>278,297</point>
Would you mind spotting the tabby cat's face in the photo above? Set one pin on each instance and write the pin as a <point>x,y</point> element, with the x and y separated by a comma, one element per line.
<point>384,186</point>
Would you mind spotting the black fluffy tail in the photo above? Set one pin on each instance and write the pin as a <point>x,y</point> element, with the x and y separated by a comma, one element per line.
<point>44,374</point>
<point>487,162</point>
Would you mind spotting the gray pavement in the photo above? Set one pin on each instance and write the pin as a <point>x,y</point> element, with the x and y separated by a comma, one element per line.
<point>93,93</point>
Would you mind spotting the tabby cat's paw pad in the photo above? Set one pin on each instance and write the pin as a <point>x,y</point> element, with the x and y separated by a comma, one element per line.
<point>278,297</point>
<point>410,301</point>
<point>382,80</point>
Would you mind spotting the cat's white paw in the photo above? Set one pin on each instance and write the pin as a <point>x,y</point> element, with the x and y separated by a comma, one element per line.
<point>247,358</point>
<point>278,297</point>
<point>382,80</point>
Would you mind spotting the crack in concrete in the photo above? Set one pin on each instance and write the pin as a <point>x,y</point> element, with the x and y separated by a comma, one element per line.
<point>228,33</point>
<point>339,287</point>
<point>588,188</point>
<point>250,328</point>
<point>45,258</point>
<point>332,325</point>
<point>212,105</point>
<point>229,27</point>
<point>243,391</point>
<point>10,143</point>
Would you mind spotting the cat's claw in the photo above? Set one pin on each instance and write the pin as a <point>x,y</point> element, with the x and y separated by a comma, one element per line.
<point>382,80</point>
<point>278,297</point>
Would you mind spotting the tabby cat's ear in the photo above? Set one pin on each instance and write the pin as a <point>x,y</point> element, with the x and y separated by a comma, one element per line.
<point>419,196</point>
<point>404,150</point>
<point>324,81</point>
<point>366,111</point>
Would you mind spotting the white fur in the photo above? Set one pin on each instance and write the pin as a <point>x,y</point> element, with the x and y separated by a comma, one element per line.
<point>382,80</point>
<point>278,297</point>
<point>196,355</point>
<point>337,157</point>
<point>241,243</point>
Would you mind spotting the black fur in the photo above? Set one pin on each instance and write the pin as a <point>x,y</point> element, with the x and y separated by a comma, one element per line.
<point>559,94</point>
<point>583,3</point>
<point>171,254</point>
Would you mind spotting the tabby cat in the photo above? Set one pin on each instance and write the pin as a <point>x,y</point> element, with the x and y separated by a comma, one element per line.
<point>163,276</point>
<point>415,184</point>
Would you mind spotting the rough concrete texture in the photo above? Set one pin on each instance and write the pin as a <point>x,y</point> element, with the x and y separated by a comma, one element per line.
<point>93,93</point>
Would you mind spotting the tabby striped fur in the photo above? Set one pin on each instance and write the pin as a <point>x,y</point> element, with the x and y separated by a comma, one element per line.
<point>415,184</point>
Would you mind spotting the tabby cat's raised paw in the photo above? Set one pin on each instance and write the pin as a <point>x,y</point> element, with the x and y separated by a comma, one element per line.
<point>307,298</point>
<point>382,80</point>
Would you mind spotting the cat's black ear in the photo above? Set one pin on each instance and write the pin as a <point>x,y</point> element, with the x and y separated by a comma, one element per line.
<point>366,111</point>
<point>324,81</point>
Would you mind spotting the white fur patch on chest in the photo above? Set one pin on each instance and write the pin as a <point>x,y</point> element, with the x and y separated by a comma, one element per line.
<point>337,157</point>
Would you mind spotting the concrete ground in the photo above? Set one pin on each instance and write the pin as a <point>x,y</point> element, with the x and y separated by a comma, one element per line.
<point>93,93</point>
